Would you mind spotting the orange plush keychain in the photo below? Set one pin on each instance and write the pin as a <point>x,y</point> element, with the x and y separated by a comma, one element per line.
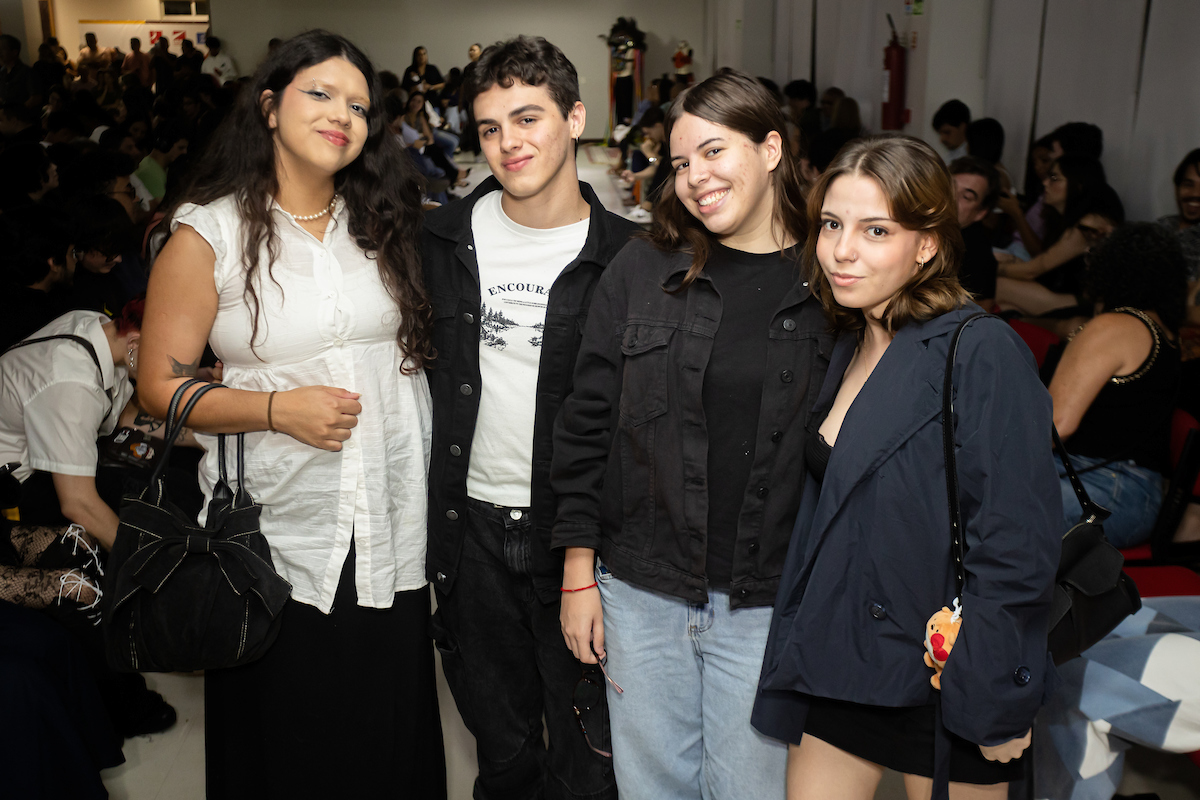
<point>940,634</point>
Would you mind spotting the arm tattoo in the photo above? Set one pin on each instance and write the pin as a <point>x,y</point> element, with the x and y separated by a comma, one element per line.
<point>184,370</point>
<point>144,420</point>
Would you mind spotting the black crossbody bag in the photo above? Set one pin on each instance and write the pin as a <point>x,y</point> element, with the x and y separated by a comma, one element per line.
<point>181,597</point>
<point>1091,592</point>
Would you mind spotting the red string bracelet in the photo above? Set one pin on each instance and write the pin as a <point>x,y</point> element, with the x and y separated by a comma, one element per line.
<point>580,589</point>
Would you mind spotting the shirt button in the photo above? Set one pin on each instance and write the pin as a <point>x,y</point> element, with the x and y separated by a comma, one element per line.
<point>468,318</point>
<point>804,284</point>
<point>470,247</point>
<point>789,324</point>
<point>452,515</point>
<point>338,342</point>
<point>466,388</point>
<point>455,450</point>
<point>762,491</point>
<point>878,611</point>
<point>1021,676</point>
<point>777,436</point>
<point>786,376</point>
<point>515,514</point>
<point>753,548</point>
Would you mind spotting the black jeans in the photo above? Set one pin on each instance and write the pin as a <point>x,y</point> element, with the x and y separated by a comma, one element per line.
<point>507,665</point>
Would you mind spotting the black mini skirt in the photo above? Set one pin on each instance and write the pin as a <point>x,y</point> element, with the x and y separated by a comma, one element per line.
<point>902,739</point>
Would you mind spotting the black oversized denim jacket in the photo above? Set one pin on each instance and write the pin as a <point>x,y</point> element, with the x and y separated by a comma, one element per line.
<point>630,461</point>
<point>452,281</point>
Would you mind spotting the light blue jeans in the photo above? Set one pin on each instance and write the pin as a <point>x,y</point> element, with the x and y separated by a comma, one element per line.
<point>681,730</point>
<point>1133,494</point>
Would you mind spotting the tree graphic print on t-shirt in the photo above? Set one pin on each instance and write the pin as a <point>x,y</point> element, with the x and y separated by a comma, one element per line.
<point>491,324</point>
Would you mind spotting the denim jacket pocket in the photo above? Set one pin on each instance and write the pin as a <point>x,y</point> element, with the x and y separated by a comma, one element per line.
<point>644,381</point>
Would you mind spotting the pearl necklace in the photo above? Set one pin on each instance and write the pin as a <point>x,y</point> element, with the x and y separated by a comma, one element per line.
<point>318,215</point>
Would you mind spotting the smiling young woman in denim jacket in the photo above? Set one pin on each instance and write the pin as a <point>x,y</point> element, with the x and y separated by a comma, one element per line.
<point>675,457</point>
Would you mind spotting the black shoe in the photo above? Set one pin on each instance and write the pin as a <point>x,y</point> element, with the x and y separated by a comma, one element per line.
<point>154,715</point>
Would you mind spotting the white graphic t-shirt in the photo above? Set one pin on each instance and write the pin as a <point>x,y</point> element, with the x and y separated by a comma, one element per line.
<point>517,266</point>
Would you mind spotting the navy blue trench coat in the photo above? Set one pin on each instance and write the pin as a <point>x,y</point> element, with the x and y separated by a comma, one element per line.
<point>869,559</point>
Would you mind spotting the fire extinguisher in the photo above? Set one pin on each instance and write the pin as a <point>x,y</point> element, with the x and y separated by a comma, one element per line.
<point>894,79</point>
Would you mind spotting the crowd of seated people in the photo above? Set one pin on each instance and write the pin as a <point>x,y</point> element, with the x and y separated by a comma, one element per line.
<point>89,151</point>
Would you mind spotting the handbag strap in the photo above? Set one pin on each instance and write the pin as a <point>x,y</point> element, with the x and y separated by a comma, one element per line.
<point>1091,511</point>
<point>79,340</point>
<point>958,549</point>
<point>175,426</point>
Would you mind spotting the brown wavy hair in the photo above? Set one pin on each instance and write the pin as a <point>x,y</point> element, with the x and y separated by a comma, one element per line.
<point>920,196</point>
<point>739,102</point>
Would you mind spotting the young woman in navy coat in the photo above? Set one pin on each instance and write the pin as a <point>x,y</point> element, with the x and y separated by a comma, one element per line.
<point>843,678</point>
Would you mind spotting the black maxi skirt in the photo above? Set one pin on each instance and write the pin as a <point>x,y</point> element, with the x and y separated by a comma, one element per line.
<point>342,705</point>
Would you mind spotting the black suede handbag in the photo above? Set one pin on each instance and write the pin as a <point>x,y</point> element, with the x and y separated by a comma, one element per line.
<point>181,597</point>
<point>1091,593</point>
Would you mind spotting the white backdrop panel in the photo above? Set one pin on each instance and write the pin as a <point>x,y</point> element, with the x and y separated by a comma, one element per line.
<point>1168,117</point>
<point>1012,76</point>
<point>1089,74</point>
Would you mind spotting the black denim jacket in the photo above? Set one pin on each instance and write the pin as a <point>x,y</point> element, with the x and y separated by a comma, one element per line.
<point>631,446</point>
<point>452,280</point>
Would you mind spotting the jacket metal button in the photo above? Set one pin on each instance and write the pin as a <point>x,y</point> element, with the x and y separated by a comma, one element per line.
<point>762,491</point>
<point>786,376</point>
<point>470,247</point>
<point>455,450</point>
<point>742,592</point>
<point>468,318</point>
<point>452,515</point>
<point>753,548</point>
<point>465,388</point>
<point>1021,676</point>
<point>789,324</point>
<point>878,611</point>
<point>441,576</point>
<point>777,436</point>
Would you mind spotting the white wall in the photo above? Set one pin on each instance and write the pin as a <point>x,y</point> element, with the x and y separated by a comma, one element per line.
<point>388,30</point>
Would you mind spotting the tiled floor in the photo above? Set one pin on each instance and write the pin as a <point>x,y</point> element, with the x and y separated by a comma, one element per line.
<point>170,766</point>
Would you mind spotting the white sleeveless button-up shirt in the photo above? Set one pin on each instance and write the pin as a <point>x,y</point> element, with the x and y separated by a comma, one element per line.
<point>325,318</point>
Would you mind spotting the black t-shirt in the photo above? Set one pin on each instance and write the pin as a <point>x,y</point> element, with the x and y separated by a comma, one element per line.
<point>978,272</point>
<point>751,286</point>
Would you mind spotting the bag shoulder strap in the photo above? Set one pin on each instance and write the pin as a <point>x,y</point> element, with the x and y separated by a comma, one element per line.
<point>91,350</point>
<point>1091,511</point>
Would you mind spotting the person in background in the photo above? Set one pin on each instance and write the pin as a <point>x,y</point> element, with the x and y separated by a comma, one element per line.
<point>1029,224</point>
<point>846,118</point>
<point>950,123</point>
<point>829,100</point>
<point>821,151</point>
<point>164,63</point>
<point>1186,225</point>
<point>1116,386</point>
<point>1077,139</point>
<point>676,453</point>
<point>191,58</point>
<point>511,269</point>
<point>138,63</point>
<point>168,146</point>
<point>843,679</point>
<point>39,269</point>
<point>16,78</point>
<point>976,185</point>
<point>421,76</point>
<point>217,64</point>
<point>803,114</point>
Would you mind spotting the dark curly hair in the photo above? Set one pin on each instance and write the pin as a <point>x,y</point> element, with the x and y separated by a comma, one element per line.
<point>1140,265</point>
<point>381,188</point>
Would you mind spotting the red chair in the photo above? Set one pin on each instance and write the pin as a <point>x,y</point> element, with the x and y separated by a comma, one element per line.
<point>1038,339</point>
<point>1182,490</point>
